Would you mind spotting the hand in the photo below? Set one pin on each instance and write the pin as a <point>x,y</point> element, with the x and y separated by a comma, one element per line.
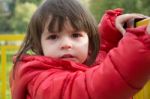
<point>122,19</point>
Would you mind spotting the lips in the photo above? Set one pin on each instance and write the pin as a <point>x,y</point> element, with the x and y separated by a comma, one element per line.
<point>67,56</point>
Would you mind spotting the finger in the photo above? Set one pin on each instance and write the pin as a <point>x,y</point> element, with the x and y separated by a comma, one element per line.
<point>119,26</point>
<point>127,17</point>
<point>137,15</point>
<point>133,16</point>
<point>122,19</point>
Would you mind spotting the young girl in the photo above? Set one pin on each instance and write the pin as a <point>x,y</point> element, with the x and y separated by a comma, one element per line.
<point>70,63</point>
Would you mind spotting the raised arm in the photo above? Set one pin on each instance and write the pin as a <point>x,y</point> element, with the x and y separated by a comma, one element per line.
<point>125,69</point>
<point>111,28</point>
<point>110,35</point>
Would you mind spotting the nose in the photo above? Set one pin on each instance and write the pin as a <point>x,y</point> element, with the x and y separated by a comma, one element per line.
<point>66,44</point>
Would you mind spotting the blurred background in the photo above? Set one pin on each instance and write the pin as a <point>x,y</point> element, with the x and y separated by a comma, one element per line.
<point>15,15</point>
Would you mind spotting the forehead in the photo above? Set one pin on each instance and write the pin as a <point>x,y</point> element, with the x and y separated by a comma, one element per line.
<point>57,25</point>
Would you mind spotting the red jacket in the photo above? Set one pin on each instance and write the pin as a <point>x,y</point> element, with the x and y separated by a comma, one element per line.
<point>121,69</point>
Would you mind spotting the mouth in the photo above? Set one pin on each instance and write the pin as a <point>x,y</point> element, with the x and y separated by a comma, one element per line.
<point>67,56</point>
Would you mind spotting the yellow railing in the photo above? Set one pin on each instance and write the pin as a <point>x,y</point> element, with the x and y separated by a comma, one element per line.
<point>143,94</point>
<point>4,49</point>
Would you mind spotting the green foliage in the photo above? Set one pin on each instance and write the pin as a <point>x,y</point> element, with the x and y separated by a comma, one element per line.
<point>23,13</point>
<point>130,6</point>
<point>99,6</point>
<point>4,19</point>
<point>37,2</point>
<point>146,7</point>
<point>4,25</point>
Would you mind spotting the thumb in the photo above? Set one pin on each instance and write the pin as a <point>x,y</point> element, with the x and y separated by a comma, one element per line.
<point>120,27</point>
<point>148,28</point>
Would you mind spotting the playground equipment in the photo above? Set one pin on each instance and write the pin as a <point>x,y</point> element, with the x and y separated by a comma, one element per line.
<point>4,49</point>
<point>142,22</point>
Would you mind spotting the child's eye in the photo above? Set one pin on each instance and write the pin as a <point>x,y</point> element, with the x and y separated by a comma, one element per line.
<point>52,37</point>
<point>76,35</point>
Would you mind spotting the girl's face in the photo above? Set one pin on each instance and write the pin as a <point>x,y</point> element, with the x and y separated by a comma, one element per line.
<point>68,45</point>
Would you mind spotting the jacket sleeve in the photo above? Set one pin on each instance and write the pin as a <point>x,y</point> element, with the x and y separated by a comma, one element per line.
<point>110,36</point>
<point>125,69</point>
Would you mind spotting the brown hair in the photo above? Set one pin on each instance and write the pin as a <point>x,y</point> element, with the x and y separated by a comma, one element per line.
<point>79,17</point>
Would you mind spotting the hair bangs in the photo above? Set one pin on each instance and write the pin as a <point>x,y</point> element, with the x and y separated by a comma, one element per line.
<point>56,24</point>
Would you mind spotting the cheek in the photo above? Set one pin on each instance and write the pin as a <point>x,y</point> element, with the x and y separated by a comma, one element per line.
<point>83,50</point>
<point>83,54</point>
<point>48,49</point>
<point>50,52</point>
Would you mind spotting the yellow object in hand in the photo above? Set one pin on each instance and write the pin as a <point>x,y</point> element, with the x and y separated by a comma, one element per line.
<point>142,22</point>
